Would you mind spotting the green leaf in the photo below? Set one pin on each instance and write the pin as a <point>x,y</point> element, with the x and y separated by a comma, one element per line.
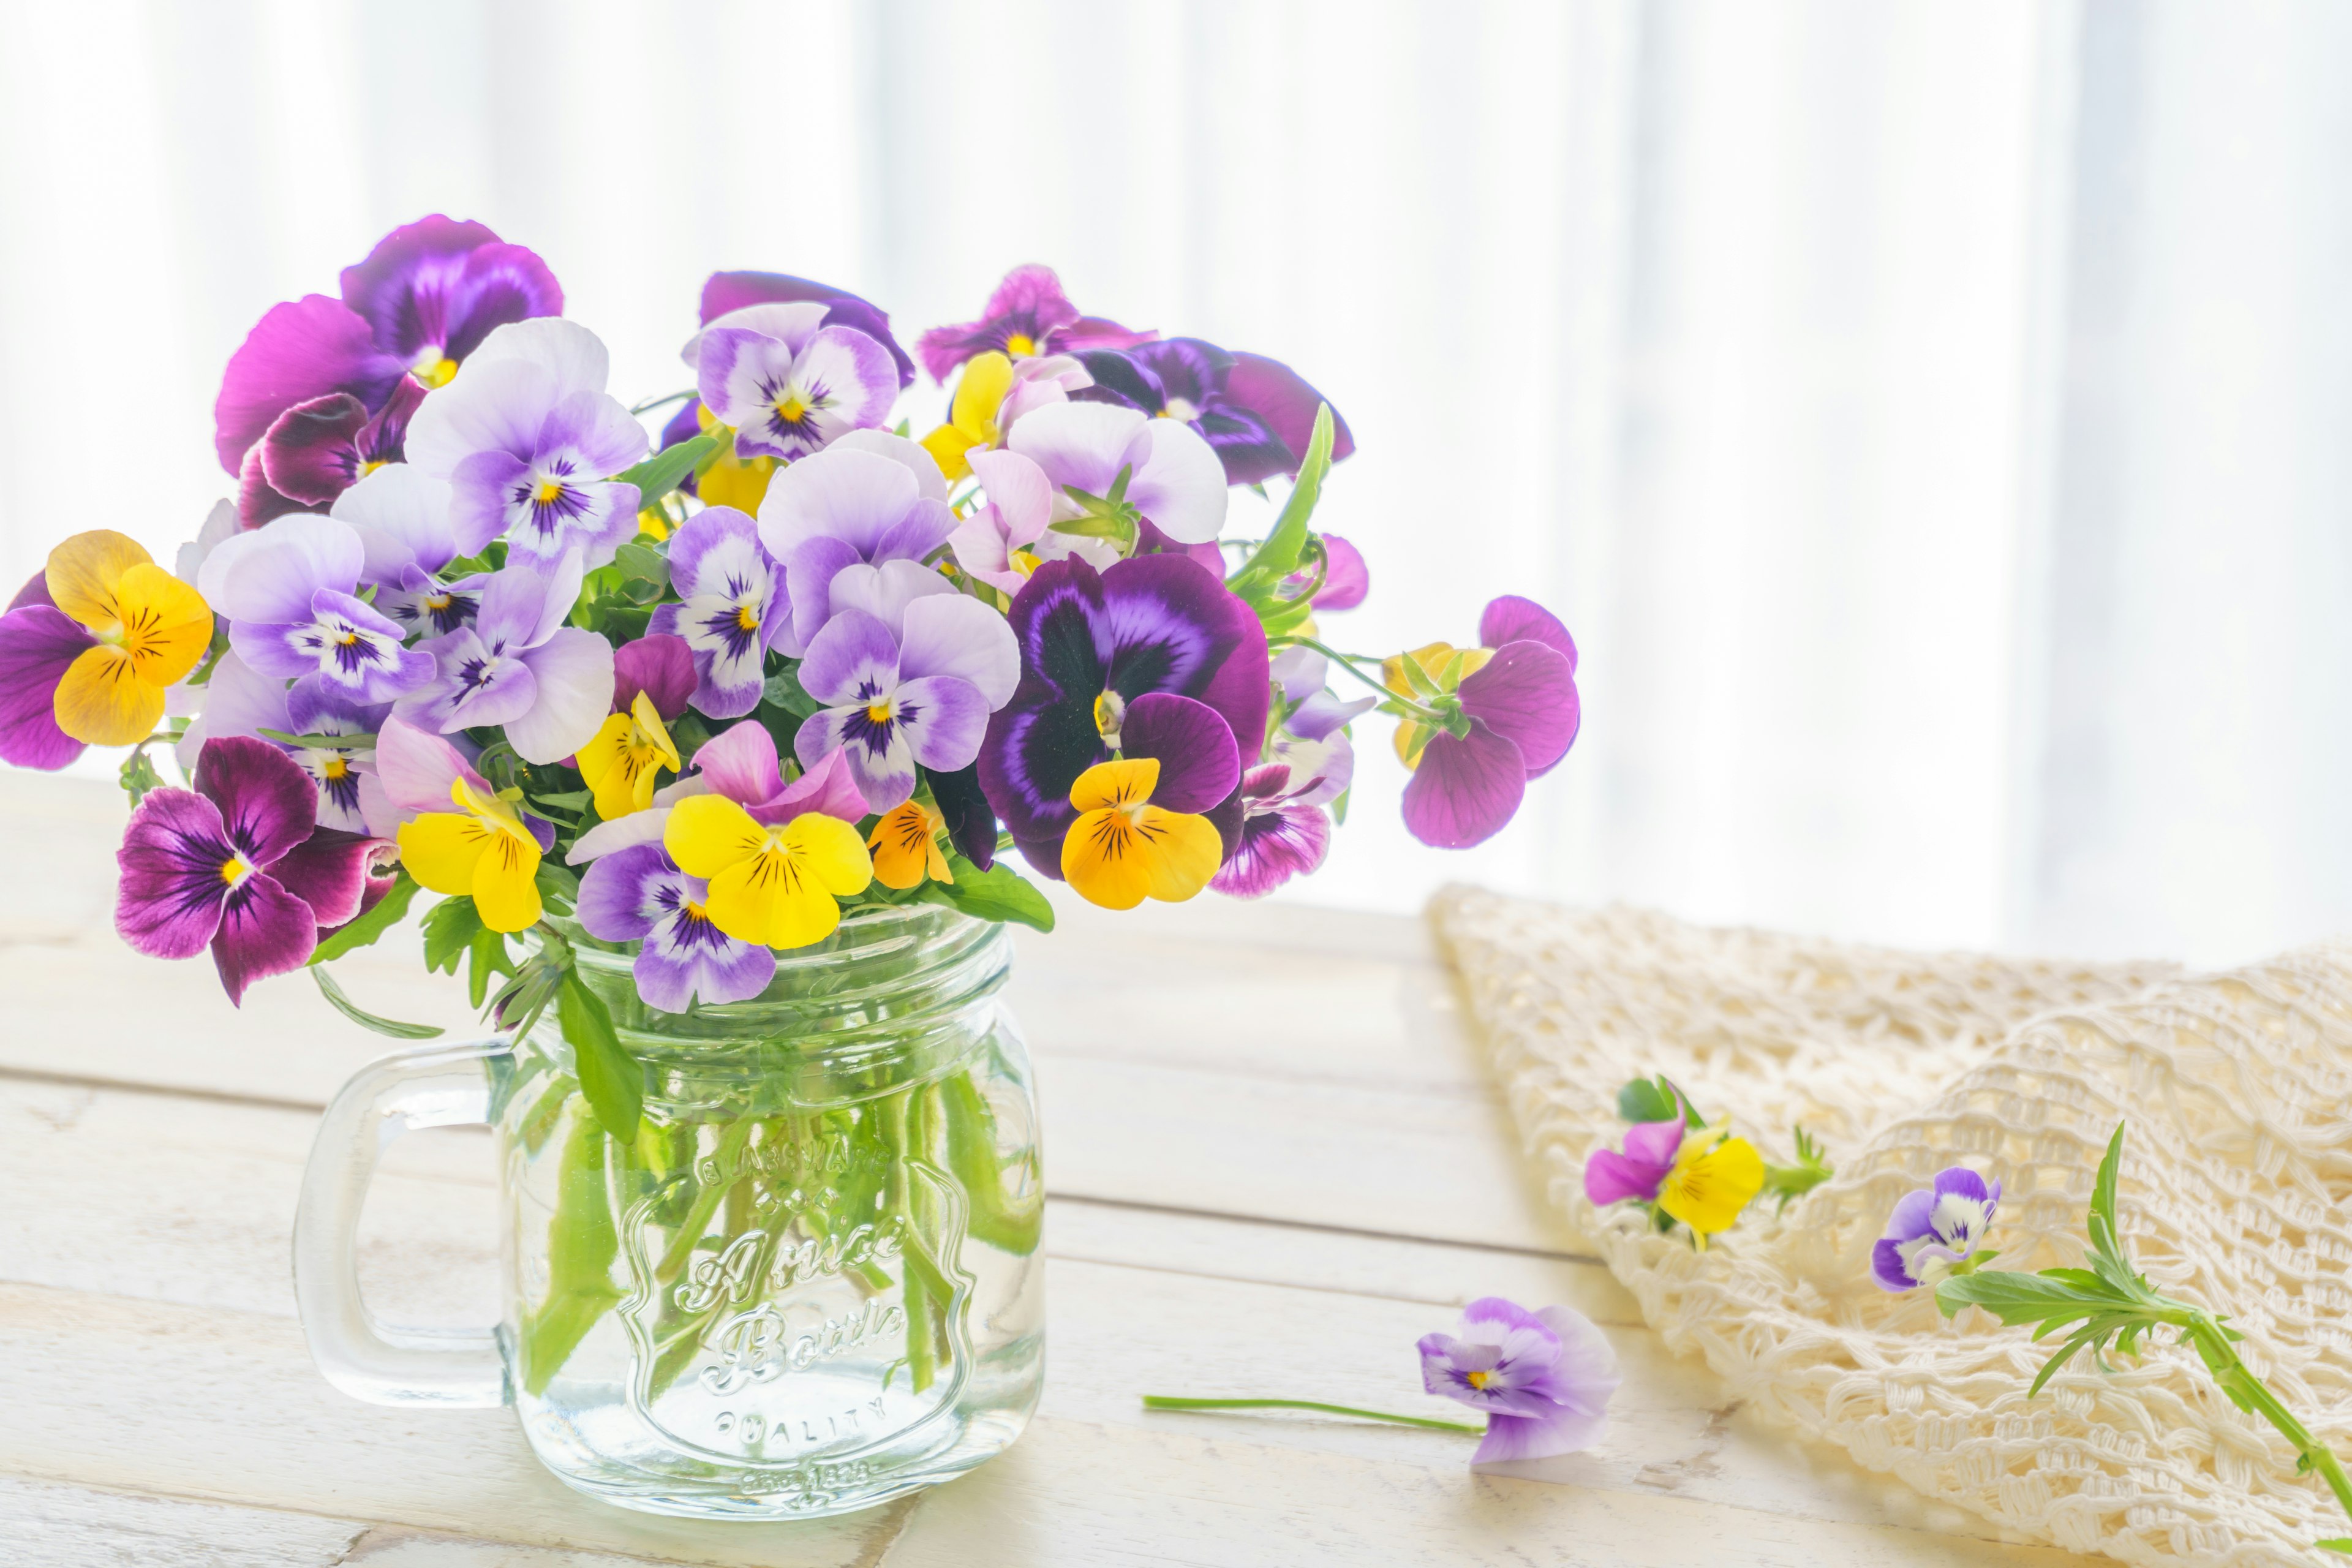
<point>998,893</point>
<point>1648,1100</point>
<point>1278,557</point>
<point>488,953</point>
<point>559,886</point>
<point>609,1076</point>
<point>2341,1543</point>
<point>139,778</point>
<point>323,743</point>
<point>363,930</point>
<point>451,927</point>
<point>783,690</point>
<point>2103,1195</point>
<point>2016,1298</point>
<point>366,1020</point>
<point>2059,1358</point>
<point>662,473</point>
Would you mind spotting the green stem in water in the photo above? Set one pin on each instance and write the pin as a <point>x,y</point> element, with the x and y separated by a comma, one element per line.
<point>1162,1402</point>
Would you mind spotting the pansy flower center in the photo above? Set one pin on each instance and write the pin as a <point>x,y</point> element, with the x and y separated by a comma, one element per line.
<point>547,492</point>
<point>235,869</point>
<point>1478,1379</point>
<point>1178,409</point>
<point>370,464</point>
<point>432,368</point>
<point>436,603</point>
<point>880,712</point>
<point>746,618</point>
<point>1019,345</point>
<point>792,409</point>
<point>1110,712</point>
<point>335,767</point>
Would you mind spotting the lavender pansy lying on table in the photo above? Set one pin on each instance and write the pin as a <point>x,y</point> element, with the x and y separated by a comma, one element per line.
<point>786,663</point>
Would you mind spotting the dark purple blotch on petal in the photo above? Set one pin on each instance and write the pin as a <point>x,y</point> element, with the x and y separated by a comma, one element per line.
<point>1280,398</point>
<point>265,801</point>
<point>331,871</point>
<point>311,453</point>
<point>971,820</point>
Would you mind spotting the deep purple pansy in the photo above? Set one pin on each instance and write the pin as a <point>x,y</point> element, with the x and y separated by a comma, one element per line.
<point>1027,316</point>
<point>638,894</point>
<point>1257,415</point>
<point>1543,1378</point>
<point>660,667</point>
<point>238,865</point>
<point>38,642</point>
<point>1091,644</point>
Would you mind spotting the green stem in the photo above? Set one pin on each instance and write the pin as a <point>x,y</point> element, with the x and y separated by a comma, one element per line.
<point>1347,663</point>
<point>2249,1390</point>
<point>1162,1402</point>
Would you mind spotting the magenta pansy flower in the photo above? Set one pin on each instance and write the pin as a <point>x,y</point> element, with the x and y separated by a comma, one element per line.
<point>1255,413</point>
<point>1027,316</point>
<point>527,440</point>
<point>1544,1378</point>
<point>870,500</point>
<point>1523,712</point>
<point>1636,1174</point>
<point>638,894</point>
<point>38,642</point>
<point>734,607</point>
<point>789,384</point>
<point>238,865</point>
<point>657,665</point>
<point>316,450</point>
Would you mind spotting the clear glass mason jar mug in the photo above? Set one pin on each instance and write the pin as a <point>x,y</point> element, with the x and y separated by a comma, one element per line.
<point>812,1281</point>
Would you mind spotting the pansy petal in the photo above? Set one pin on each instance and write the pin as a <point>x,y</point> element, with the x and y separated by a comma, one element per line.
<point>1527,694</point>
<point>38,643</point>
<point>614,892</point>
<point>84,571</point>
<point>1290,840</point>
<point>610,837</point>
<point>493,405</point>
<point>172,874</point>
<point>741,762</point>
<point>1282,399</point>
<point>881,757</point>
<point>311,453</point>
<point>594,432</point>
<point>1655,1143</point>
<point>943,718</point>
<point>264,931</point>
<point>574,359</point>
<point>1346,580</point>
<point>328,871</point>
<point>839,493</point>
<point>1199,763</point>
<point>930,482</point>
<point>269,575</point>
<point>853,660</point>
<point>265,801</point>
<point>573,671</point>
<point>828,785</point>
<point>660,667</point>
<point>300,350</point>
<point>1465,788</point>
<point>101,701</point>
<point>971,821</point>
<point>417,767</point>
<point>1509,620</point>
<point>1179,482</point>
<point>1082,445</point>
<point>959,637</point>
<point>401,517</point>
<point>885,591</point>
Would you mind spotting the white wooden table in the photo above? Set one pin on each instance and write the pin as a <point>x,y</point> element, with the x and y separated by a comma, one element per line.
<point>1275,1162</point>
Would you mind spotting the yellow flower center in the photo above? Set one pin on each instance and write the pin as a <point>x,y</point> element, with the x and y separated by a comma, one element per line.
<point>1478,1379</point>
<point>1179,409</point>
<point>695,912</point>
<point>235,869</point>
<point>347,639</point>
<point>1021,345</point>
<point>437,600</point>
<point>371,465</point>
<point>547,492</point>
<point>877,712</point>
<point>1110,712</point>
<point>745,620</point>
<point>794,408</point>
<point>336,769</point>
<point>433,368</point>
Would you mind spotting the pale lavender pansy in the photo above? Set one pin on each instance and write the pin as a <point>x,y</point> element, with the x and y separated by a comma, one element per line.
<point>879,501</point>
<point>723,293</point>
<point>520,668</point>
<point>238,865</point>
<point>237,701</point>
<point>1173,478</point>
<point>919,691</point>
<point>527,438</point>
<point>734,607</point>
<point>790,385</point>
<point>289,592</point>
<point>638,894</point>
<point>1934,1231</point>
<point>1543,1378</point>
<point>997,543</point>
<point>401,517</point>
<point>1636,1174</point>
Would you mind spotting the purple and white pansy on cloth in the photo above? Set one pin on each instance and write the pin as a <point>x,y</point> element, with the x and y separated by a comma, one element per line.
<point>288,590</point>
<point>1934,1232</point>
<point>789,384</point>
<point>638,894</point>
<point>519,667</point>
<point>1543,1378</point>
<point>733,607</point>
<point>529,440</point>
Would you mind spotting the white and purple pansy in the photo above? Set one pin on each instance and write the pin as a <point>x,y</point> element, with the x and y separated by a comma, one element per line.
<point>734,607</point>
<point>1934,1232</point>
<point>239,703</point>
<point>401,517</point>
<point>917,690</point>
<point>528,439</point>
<point>638,894</point>
<point>874,498</point>
<point>1543,1378</point>
<point>288,591</point>
<point>519,667</point>
<point>790,385</point>
<point>1173,477</point>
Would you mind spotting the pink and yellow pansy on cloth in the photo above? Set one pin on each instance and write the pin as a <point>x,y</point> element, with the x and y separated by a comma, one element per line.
<point>700,685</point>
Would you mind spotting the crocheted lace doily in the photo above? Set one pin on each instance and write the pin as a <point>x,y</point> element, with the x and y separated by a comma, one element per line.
<point>2238,1089</point>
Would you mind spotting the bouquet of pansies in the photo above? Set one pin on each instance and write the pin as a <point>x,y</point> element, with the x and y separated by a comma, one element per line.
<point>468,627</point>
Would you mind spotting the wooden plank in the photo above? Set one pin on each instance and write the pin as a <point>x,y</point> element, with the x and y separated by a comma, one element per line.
<point>62,1526</point>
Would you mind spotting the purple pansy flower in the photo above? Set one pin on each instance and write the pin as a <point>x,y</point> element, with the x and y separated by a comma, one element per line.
<point>1543,1378</point>
<point>238,865</point>
<point>1027,316</point>
<point>424,299</point>
<point>38,642</point>
<point>289,592</point>
<point>1278,834</point>
<point>1174,478</point>
<point>789,384</point>
<point>638,894</point>
<point>1257,416</point>
<point>519,667</point>
<point>433,290</point>
<point>724,293</point>
<point>735,608</point>
<point>527,438</point>
<point>237,701</point>
<point>402,519</point>
<point>1934,1232</point>
<point>1611,1177</point>
<point>913,687</point>
<point>872,499</point>
<point>316,450</point>
<point>1524,714</point>
<point>1090,644</point>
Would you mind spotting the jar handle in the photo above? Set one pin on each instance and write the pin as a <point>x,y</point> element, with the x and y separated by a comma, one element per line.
<point>435,1086</point>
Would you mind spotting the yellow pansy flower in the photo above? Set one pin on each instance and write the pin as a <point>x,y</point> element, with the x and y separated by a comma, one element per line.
<point>772,884</point>
<point>1446,666</point>
<point>1123,849</point>
<point>620,760</point>
<point>906,846</point>
<point>481,849</point>
<point>151,627</point>
<point>972,414</point>
<point>730,480</point>
<point>1712,1178</point>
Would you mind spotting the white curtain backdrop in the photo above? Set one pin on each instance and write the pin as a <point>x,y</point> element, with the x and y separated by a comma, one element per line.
<point>1931,419</point>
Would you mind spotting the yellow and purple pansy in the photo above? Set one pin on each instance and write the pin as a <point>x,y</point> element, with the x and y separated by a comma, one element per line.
<point>88,649</point>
